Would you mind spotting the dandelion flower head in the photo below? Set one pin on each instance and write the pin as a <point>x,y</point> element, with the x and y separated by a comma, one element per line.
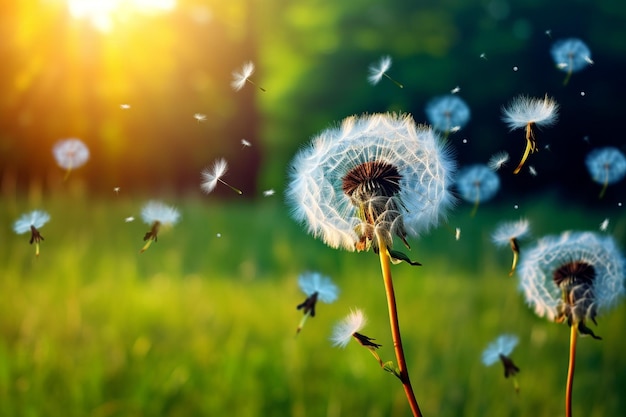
<point>574,275</point>
<point>606,165</point>
<point>351,324</point>
<point>241,77</point>
<point>155,211</point>
<point>524,111</point>
<point>447,113</point>
<point>313,282</point>
<point>503,345</point>
<point>376,72</point>
<point>507,231</point>
<point>477,183</point>
<point>374,174</point>
<point>571,55</point>
<point>70,153</point>
<point>36,219</point>
<point>211,176</point>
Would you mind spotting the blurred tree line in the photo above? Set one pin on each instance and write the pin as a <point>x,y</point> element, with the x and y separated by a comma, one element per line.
<point>63,78</point>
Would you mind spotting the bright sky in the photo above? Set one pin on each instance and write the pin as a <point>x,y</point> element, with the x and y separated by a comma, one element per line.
<point>103,14</point>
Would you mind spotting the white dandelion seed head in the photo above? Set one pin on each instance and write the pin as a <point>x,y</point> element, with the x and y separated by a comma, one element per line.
<point>606,165</point>
<point>36,218</point>
<point>503,345</point>
<point>498,160</point>
<point>449,113</point>
<point>539,264</point>
<point>377,71</point>
<point>477,183</point>
<point>156,211</point>
<point>317,173</point>
<point>210,176</point>
<point>507,231</point>
<point>241,77</point>
<point>343,331</point>
<point>70,153</point>
<point>314,282</point>
<point>524,110</point>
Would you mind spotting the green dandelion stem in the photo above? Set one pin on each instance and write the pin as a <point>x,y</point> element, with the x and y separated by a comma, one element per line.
<point>37,249</point>
<point>393,81</point>
<point>385,266</point>
<point>476,203</point>
<point>147,245</point>
<point>570,372</point>
<point>301,324</point>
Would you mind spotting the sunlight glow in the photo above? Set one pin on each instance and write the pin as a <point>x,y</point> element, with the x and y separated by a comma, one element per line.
<point>103,14</point>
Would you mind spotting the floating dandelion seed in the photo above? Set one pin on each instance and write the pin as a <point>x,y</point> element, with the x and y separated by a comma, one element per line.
<point>606,166</point>
<point>199,117</point>
<point>240,78</point>
<point>604,225</point>
<point>70,153</point>
<point>572,278</point>
<point>210,177</point>
<point>527,112</point>
<point>548,33</point>
<point>457,233</point>
<point>124,106</point>
<point>316,287</point>
<point>377,72</point>
<point>129,219</point>
<point>245,143</point>
<point>498,160</point>
<point>501,349</point>
<point>447,113</point>
<point>476,184</point>
<point>345,329</point>
<point>532,170</point>
<point>32,222</point>
<point>483,56</point>
<point>157,215</point>
<point>116,190</point>
<point>509,234</point>
<point>360,184</point>
<point>268,193</point>
<point>570,55</point>
<point>455,90</point>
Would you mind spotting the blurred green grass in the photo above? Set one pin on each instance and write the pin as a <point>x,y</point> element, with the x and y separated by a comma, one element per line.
<point>202,324</point>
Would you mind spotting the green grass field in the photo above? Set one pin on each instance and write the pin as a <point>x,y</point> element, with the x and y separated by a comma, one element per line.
<point>202,324</point>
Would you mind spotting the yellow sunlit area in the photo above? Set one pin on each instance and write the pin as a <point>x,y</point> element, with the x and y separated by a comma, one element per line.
<point>105,14</point>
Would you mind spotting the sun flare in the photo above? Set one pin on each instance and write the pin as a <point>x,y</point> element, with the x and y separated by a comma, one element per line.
<point>103,14</point>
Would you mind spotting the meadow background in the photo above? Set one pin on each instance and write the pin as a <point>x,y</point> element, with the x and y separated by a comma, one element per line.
<point>203,323</point>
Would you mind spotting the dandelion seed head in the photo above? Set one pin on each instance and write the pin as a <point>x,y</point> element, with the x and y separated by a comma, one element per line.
<point>70,153</point>
<point>507,231</point>
<point>524,110</point>
<point>156,211</point>
<point>241,77</point>
<point>399,171</point>
<point>587,265</point>
<point>35,218</point>
<point>503,345</point>
<point>447,112</point>
<point>314,282</point>
<point>498,160</point>
<point>571,54</point>
<point>210,176</point>
<point>377,71</point>
<point>606,165</point>
<point>343,331</point>
<point>477,183</point>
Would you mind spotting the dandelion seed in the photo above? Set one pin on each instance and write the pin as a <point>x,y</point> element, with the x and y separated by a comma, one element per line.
<point>124,106</point>
<point>548,33</point>
<point>157,215</point>
<point>116,190</point>
<point>532,170</point>
<point>245,143</point>
<point>582,93</point>
<point>455,90</point>
<point>483,56</point>
<point>240,78</point>
<point>604,225</point>
<point>515,69</point>
<point>515,206</point>
<point>268,193</point>
<point>570,55</point>
<point>457,233</point>
<point>70,153</point>
<point>32,222</point>
<point>129,219</point>
<point>526,112</point>
<point>509,234</point>
<point>199,117</point>
<point>377,72</point>
<point>464,140</point>
<point>447,113</point>
<point>501,349</point>
<point>374,174</point>
<point>606,166</point>
<point>316,287</point>
<point>498,160</point>
<point>211,177</point>
<point>477,183</point>
<point>348,328</point>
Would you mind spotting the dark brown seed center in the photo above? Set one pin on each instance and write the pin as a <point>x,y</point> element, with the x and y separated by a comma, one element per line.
<point>574,273</point>
<point>371,179</point>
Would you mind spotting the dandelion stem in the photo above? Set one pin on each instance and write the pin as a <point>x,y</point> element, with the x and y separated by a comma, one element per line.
<point>237,190</point>
<point>530,147</point>
<point>395,326</point>
<point>256,85</point>
<point>393,81</point>
<point>570,373</point>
